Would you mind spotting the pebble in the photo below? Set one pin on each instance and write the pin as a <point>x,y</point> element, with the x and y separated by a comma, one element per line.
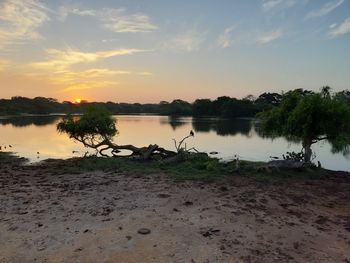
<point>144,231</point>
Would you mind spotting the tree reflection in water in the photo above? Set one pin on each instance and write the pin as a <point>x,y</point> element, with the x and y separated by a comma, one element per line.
<point>23,121</point>
<point>174,121</point>
<point>223,127</point>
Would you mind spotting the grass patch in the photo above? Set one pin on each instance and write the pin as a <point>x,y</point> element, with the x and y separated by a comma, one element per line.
<point>198,167</point>
<point>118,164</point>
<point>195,168</point>
<point>254,171</point>
<point>9,158</point>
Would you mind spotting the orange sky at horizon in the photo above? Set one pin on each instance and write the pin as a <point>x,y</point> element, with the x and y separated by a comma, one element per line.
<point>161,50</point>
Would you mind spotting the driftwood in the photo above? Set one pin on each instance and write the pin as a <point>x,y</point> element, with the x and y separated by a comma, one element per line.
<point>96,130</point>
<point>105,145</point>
<point>179,148</point>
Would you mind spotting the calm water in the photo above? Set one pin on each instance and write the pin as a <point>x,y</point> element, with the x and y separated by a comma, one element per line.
<point>30,135</point>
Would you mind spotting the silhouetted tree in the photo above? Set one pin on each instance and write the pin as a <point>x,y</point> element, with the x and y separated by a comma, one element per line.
<point>269,98</point>
<point>250,97</point>
<point>96,129</point>
<point>310,118</point>
<point>203,107</point>
<point>325,91</point>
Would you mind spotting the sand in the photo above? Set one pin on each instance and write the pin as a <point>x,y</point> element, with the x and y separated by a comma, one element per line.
<point>46,216</point>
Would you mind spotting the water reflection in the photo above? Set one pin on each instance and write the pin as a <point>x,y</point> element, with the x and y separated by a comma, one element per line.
<point>31,135</point>
<point>30,120</point>
<point>222,127</point>
<point>265,135</point>
<point>174,121</point>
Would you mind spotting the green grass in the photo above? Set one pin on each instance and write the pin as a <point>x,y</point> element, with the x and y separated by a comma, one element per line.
<point>253,170</point>
<point>198,167</point>
<point>10,158</point>
<point>195,168</point>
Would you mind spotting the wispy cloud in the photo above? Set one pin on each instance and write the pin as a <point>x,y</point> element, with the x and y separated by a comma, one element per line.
<point>89,85</point>
<point>342,29</point>
<point>89,79</point>
<point>119,21</point>
<point>72,80</point>
<point>65,11</point>
<point>188,41</point>
<point>325,9</point>
<point>20,21</point>
<point>269,37</point>
<point>4,64</point>
<point>63,59</point>
<point>225,40</point>
<point>69,77</point>
<point>116,20</point>
<point>145,73</point>
<point>58,69</point>
<point>269,5</point>
<point>69,80</point>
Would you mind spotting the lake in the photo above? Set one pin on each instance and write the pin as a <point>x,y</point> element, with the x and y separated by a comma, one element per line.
<point>36,138</point>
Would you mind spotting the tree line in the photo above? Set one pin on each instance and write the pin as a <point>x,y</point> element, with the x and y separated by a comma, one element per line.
<point>310,117</point>
<point>223,106</point>
<point>299,115</point>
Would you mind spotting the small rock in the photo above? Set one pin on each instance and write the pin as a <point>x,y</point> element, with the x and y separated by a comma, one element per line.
<point>236,242</point>
<point>223,188</point>
<point>210,232</point>
<point>296,245</point>
<point>144,231</point>
<point>321,220</point>
<point>188,203</point>
<point>13,228</point>
<point>163,195</point>
<point>41,248</point>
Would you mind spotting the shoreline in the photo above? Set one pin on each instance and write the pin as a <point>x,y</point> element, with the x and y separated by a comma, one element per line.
<point>54,212</point>
<point>27,161</point>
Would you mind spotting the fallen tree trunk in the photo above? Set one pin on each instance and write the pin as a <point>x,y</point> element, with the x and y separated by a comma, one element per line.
<point>145,153</point>
<point>96,129</point>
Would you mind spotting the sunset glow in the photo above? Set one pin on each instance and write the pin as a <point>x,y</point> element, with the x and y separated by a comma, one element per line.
<point>174,131</point>
<point>163,50</point>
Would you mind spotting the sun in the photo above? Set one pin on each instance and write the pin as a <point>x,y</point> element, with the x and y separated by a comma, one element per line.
<point>77,101</point>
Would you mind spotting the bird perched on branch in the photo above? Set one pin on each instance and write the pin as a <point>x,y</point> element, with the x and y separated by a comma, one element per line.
<point>191,133</point>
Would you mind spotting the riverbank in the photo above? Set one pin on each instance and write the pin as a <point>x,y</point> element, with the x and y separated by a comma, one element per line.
<point>88,210</point>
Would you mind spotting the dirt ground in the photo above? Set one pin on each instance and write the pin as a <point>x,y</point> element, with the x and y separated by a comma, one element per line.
<point>95,217</point>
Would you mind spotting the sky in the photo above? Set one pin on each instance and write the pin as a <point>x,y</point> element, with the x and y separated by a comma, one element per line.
<point>155,50</point>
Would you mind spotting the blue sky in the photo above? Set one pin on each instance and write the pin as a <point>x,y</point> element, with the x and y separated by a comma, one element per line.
<point>148,51</point>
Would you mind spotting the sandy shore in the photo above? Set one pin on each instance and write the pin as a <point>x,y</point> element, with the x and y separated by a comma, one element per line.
<point>95,217</point>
